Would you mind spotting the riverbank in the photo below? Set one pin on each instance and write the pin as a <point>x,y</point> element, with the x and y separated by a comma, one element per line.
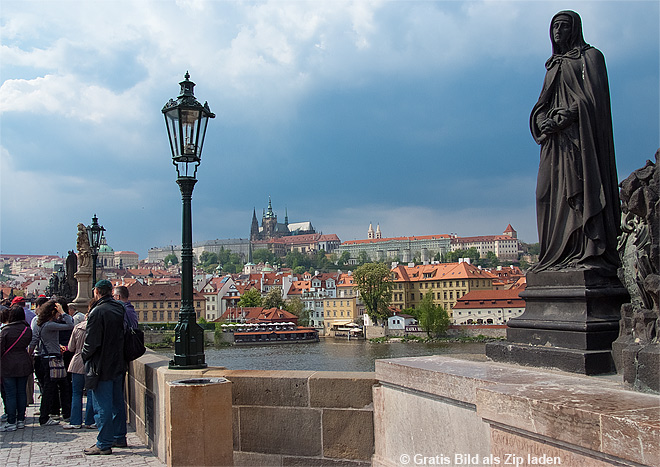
<point>431,340</point>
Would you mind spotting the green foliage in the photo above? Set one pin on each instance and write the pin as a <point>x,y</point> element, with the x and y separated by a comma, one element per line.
<point>263,255</point>
<point>171,259</point>
<point>250,298</point>
<point>375,287</point>
<point>273,298</point>
<point>432,318</point>
<point>296,306</point>
<point>225,260</point>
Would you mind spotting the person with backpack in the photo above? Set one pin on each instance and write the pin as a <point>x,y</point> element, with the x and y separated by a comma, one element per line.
<point>103,354</point>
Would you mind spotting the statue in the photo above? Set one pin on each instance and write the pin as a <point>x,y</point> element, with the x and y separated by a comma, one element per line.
<point>573,295</point>
<point>637,350</point>
<point>83,275</point>
<point>84,250</point>
<point>576,195</point>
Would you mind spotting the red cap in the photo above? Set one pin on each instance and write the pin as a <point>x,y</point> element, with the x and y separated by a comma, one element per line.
<point>17,300</point>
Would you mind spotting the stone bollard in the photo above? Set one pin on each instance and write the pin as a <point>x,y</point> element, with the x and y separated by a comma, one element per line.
<point>199,425</point>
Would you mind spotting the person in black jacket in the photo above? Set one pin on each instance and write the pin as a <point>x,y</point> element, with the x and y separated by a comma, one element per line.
<point>103,354</point>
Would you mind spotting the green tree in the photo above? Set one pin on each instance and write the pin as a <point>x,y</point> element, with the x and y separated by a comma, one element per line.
<point>363,257</point>
<point>296,306</point>
<point>373,281</point>
<point>171,259</point>
<point>273,298</point>
<point>492,259</point>
<point>251,297</point>
<point>432,318</point>
<point>263,255</point>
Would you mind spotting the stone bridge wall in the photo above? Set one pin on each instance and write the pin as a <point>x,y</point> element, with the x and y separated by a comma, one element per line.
<point>278,417</point>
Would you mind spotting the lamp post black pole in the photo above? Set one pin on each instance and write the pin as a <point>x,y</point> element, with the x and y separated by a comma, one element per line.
<point>189,336</point>
<point>94,233</point>
<point>186,120</point>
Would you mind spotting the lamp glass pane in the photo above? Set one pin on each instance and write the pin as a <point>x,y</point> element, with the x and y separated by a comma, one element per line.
<point>172,122</point>
<point>189,126</point>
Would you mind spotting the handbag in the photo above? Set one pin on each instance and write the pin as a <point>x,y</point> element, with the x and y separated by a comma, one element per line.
<point>133,343</point>
<point>56,367</point>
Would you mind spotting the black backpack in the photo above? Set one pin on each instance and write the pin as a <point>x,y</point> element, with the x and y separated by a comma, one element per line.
<point>133,343</point>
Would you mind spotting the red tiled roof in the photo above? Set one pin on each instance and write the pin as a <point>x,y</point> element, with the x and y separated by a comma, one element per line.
<point>475,299</point>
<point>440,271</point>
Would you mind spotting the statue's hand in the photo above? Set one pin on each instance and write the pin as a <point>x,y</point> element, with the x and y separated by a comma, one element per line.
<point>564,118</point>
<point>549,125</point>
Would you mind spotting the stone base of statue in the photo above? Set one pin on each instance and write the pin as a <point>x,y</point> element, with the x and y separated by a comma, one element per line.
<point>571,319</point>
<point>84,279</point>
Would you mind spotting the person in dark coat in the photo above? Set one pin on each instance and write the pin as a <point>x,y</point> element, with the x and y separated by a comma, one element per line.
<point>103,354</point>
<point>15,367</point>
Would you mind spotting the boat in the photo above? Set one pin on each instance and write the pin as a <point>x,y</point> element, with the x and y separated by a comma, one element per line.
<point>268,333</point>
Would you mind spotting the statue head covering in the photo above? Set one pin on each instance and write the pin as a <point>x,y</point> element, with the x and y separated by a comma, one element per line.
<point>576,40</point>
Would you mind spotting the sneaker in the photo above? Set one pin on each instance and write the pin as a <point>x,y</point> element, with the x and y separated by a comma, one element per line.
<point>20,424</point>
<point>50,422</point>
<point>8,427</point>
<point>95,451</point>
<point>68,426</point>
<point>56,417</point>
<point>92,426</point>
<point>120,444</point>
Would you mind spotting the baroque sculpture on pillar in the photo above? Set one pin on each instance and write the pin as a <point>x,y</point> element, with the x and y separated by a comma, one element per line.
<point>637,350</point>
<point>573,294</point>
<point>84,273</point>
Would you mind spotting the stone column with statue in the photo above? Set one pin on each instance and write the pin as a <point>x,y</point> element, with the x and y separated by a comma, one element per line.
<point>84,273</point>
<point>573,295</point>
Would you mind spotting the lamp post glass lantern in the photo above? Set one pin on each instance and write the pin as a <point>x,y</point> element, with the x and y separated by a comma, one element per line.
<point>186,120</point>
<point>94,234</point>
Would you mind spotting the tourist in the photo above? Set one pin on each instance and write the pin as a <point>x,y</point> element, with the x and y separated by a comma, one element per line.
<point>64,385</point>
<point>38,366</point>
<point>121,293</point>
<point>77,372</point>
<point>51,319</point>
<point>29,314</point>
<point>4,319</point>
<point>15,367</point>
<point>103,352</point>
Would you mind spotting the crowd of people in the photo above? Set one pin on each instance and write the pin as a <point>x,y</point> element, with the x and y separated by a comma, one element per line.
<point>68,353</point>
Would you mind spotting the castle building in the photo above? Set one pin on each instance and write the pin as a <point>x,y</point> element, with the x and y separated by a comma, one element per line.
<point>270,228</point>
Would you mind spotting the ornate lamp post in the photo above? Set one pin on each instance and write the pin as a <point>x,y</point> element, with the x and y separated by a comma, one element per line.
<point>186,121</point>
<point>94,233</point>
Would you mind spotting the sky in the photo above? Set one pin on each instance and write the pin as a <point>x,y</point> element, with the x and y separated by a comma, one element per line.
<point>411,115</point>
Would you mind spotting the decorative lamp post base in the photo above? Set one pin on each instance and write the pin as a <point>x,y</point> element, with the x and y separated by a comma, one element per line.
<point>188,344</point>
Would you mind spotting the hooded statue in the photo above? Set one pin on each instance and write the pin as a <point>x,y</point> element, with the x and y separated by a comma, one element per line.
<point>577,202</point>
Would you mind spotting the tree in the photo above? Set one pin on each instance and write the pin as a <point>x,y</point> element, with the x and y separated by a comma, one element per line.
<point>375,287</point>
<point>296,306</point>
<point>263,255</point>
<point>432,318</point>
<point>171,259</point>
<point>363,257</point>
<point>273,298</point>
<point>250,298</point>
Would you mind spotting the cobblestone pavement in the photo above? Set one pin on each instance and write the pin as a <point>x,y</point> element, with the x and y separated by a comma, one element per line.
<point>52,445</point>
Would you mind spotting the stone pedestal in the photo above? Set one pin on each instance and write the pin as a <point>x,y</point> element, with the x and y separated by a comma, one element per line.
<point>570,321</point>
<point>85,285</point>
<point>199,422</point>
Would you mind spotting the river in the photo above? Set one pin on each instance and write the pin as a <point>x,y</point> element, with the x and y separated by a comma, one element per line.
<point>328,354</point>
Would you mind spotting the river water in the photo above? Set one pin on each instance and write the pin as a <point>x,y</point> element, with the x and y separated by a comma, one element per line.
<point>328,354</point>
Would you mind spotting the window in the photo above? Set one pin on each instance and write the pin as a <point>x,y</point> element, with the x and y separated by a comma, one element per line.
<point>162,304</point>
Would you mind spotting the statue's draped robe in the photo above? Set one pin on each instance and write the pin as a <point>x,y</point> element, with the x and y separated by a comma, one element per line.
<point>578,211</point>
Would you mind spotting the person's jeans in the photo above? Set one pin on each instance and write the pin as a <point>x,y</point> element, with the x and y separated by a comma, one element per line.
<point>109,420</point>
<point>77,385</point>
<point>119,411</point>
<point>16,398</point>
